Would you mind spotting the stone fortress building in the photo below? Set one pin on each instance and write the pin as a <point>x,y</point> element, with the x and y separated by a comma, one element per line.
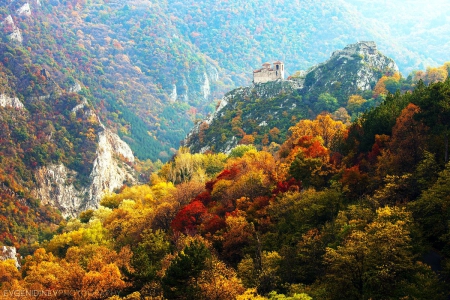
<point>267,73</point>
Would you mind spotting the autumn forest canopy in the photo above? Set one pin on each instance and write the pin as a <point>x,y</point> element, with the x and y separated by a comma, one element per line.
<point>336,212</point>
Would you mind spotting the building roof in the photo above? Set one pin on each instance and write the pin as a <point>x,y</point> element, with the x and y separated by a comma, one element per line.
<point>263,70</point>
<point>278,62</point>
<point>267,63</point>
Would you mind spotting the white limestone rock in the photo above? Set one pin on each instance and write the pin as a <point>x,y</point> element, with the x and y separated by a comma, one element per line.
<point>8,21</point>
<point>174,95</point>
<point>206,87</point>
<point>109,172</point>
<point>55,187</point>
<point>185,96</point>
<point>24,10</point>
<point>7,252</point>
<point>14,31</point>
<point>14,102</point>
<point>80,106</point>
<point>230,145</point>
<point>370,63</point>
<point>212,71</point>
<point>16,35</point>
<point>111,168</point>
<point>40,98</point>
<point>75,88</point>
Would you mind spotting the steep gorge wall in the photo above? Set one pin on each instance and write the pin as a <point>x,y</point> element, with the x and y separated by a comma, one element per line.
<point>59,186</point>
<point>111,168</point>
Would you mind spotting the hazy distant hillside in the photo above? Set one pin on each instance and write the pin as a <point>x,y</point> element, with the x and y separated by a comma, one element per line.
<point>420,27</point>
<point>242,34</point>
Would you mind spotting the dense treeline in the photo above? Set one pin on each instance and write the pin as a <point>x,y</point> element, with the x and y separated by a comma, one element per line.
<point>336,212</point>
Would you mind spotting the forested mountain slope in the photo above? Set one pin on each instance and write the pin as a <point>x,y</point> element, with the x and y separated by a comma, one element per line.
<point>119,57</point>
<point>243,34</point>
<point>338,212</point>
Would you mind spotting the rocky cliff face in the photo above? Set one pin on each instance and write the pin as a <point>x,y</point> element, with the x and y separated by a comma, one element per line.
<point>353,69</point>
<point>7,252</point>
<point>263,113</point>
<point>196,86</point>
<point>111,169</point>
<point>6,101</point>
<point>12,31</point>
<point>56,184</point>
<point>24,10</point>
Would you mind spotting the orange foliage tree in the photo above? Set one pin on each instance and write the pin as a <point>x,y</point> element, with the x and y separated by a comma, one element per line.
<point>408,139</point>
<point>323,126</point>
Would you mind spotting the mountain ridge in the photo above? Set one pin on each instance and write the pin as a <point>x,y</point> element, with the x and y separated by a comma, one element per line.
<point>248,114</point>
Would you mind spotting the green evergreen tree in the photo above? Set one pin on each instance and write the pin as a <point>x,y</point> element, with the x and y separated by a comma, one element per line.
<point>432,210</point>
<point>147,256</point>
<point>434,103</point>
<point>179,280</point>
